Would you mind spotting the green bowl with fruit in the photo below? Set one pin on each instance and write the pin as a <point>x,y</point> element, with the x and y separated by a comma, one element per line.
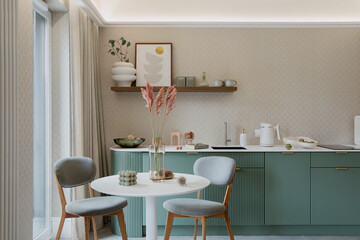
<point>129,142</point>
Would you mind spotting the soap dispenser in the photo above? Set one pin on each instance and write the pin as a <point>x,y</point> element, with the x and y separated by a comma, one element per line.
<point>243,138</point>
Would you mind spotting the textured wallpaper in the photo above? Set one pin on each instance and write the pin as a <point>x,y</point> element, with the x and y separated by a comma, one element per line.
<point>25,118</point>
<point>307,80</point>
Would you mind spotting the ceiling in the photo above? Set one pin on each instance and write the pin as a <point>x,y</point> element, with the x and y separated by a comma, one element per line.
<point>224,12</point>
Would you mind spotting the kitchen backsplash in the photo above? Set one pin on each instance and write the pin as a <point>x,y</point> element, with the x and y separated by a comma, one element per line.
<point>307,80</point>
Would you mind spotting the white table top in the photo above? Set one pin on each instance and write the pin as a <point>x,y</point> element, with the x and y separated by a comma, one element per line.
<point>145,187</point>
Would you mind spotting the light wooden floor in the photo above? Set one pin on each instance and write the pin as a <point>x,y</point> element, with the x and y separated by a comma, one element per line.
<point>106,234</point>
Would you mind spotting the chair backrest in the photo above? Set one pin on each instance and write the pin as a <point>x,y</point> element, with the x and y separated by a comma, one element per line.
<point>75,171</point>
<point>219,170</point>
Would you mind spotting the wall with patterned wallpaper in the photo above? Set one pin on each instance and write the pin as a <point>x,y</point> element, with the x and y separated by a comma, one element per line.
<point>25,118</point>
<point>60,97</point>
<point>307,80</point>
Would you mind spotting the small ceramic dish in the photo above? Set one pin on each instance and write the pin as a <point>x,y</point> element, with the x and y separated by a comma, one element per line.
<point>129,143</point>
<point>294,141</point>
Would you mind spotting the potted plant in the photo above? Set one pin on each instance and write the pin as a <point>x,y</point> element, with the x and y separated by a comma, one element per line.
<point>123,72</point>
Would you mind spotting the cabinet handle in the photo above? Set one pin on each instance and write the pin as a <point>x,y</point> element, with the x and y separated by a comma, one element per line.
<point>342,168</point>
<point>341,152</point>
<point>191,152</point>
<point>237,169</point>
<point>288,153</point>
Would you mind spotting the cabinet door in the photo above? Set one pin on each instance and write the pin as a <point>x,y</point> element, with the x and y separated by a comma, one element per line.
<point>176,162</point>
<point>335,196</point>
<point>246,206</point>
<point>287,189</point>
<point>133,211</point>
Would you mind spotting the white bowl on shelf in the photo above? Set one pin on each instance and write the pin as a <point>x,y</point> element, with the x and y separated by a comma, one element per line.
<point>123,80</point>
<point>294,141</point>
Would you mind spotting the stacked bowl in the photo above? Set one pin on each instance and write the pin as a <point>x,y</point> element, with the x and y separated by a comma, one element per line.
<point>123,73</point>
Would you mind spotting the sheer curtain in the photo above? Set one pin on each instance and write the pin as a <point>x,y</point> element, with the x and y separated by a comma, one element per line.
<point>87,114</point>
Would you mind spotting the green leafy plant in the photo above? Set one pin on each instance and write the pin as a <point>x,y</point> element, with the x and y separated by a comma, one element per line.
<point>119,49</point>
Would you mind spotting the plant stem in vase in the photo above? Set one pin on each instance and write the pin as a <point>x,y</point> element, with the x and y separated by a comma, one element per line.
<point>165,101</point>
<point>157,160</point>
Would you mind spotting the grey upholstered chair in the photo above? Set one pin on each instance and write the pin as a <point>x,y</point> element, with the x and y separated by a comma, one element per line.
<point>77,171</point>
<point>220,171</point>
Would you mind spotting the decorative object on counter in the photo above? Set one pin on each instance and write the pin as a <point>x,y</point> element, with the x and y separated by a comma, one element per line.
<point>243,138</point>
<point>127,177</point>
<point>166,102</point>
<point>288,146</point>
<point>131,142</point>
<point>153,63</point>
<point>303,142</point>
<point>182,181</point>
<point>179,148</point>
<point>189,137</point>
<point>177,135</point>
<point>190,81</point>
<point>197,146</point>
<point>219,83</point>
<point>180,82</point>
<point>230,83</point>
<point>123,72</point>
<point>203,82</point>
<point>168,173</point>
<point>267,134</point>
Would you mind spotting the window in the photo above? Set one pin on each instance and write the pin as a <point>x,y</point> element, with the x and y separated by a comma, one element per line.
<point>41,122</point>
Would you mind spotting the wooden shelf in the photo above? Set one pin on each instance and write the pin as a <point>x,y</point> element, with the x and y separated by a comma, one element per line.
<point>180,89</point>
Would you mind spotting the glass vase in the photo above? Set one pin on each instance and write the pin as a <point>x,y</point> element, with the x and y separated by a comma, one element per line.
<point>157,160</point>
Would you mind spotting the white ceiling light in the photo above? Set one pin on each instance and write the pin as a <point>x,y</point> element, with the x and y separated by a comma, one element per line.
<point>224,12</point>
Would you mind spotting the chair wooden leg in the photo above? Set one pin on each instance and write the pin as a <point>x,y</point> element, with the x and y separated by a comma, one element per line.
<point>94,227</point>
<point>122,225</point>
<point>195,230</point>
<point>61,225</point>
<point>203,222</point>
<point>228,225</point>
<point>169,223</point>
<point>86,228</point>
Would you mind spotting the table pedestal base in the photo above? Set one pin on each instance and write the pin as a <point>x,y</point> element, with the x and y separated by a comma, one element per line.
<point>151,218</point>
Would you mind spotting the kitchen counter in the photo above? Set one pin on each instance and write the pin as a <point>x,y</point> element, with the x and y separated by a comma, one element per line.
<point>249,148</point>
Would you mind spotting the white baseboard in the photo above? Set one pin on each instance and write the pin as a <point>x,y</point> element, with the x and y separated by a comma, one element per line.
<point>66,231</point>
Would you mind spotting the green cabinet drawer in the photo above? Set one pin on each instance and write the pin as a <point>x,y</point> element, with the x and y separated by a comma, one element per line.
<point>333,159</point>
<point>246,206</point>
<point>287,189</point>
<point>335,196</point>
<point>176,162</point>
<point>247,159</point>
<point>134,210</point>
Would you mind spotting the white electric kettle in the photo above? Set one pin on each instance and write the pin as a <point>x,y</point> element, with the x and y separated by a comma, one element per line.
<point>267,134</point>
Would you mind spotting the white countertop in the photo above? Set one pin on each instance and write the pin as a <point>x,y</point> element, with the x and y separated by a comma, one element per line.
<point>249,148</point>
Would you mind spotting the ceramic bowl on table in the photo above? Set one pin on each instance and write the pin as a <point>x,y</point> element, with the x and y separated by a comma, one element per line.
<point>129,143</point>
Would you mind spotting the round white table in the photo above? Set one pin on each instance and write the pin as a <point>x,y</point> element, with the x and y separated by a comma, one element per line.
<point>151,190</point>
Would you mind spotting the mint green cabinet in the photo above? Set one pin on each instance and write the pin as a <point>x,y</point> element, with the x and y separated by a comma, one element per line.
<point>177,162</point>
<point>335,194</point>
<point>134,210</point>
<point>246,205</point>
<point>287,189</point>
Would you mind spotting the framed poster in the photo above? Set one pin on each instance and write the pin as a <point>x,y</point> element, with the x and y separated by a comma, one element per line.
<point>153,64</point>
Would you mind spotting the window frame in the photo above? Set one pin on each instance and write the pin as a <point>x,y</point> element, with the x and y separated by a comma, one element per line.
<point>40,8</point>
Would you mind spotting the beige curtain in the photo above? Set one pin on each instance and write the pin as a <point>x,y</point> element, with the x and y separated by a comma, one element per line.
<point>8,119</point>
<point>87,115</point>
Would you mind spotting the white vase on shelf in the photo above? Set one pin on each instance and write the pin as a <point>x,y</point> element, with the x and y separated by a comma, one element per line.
<point>123,73</point>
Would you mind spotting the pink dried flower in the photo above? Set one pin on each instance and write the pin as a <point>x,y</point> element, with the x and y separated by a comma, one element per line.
<point>148,95</point>
<point>168,93</point>
<point>171,102</point>
<point>159,100</point>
